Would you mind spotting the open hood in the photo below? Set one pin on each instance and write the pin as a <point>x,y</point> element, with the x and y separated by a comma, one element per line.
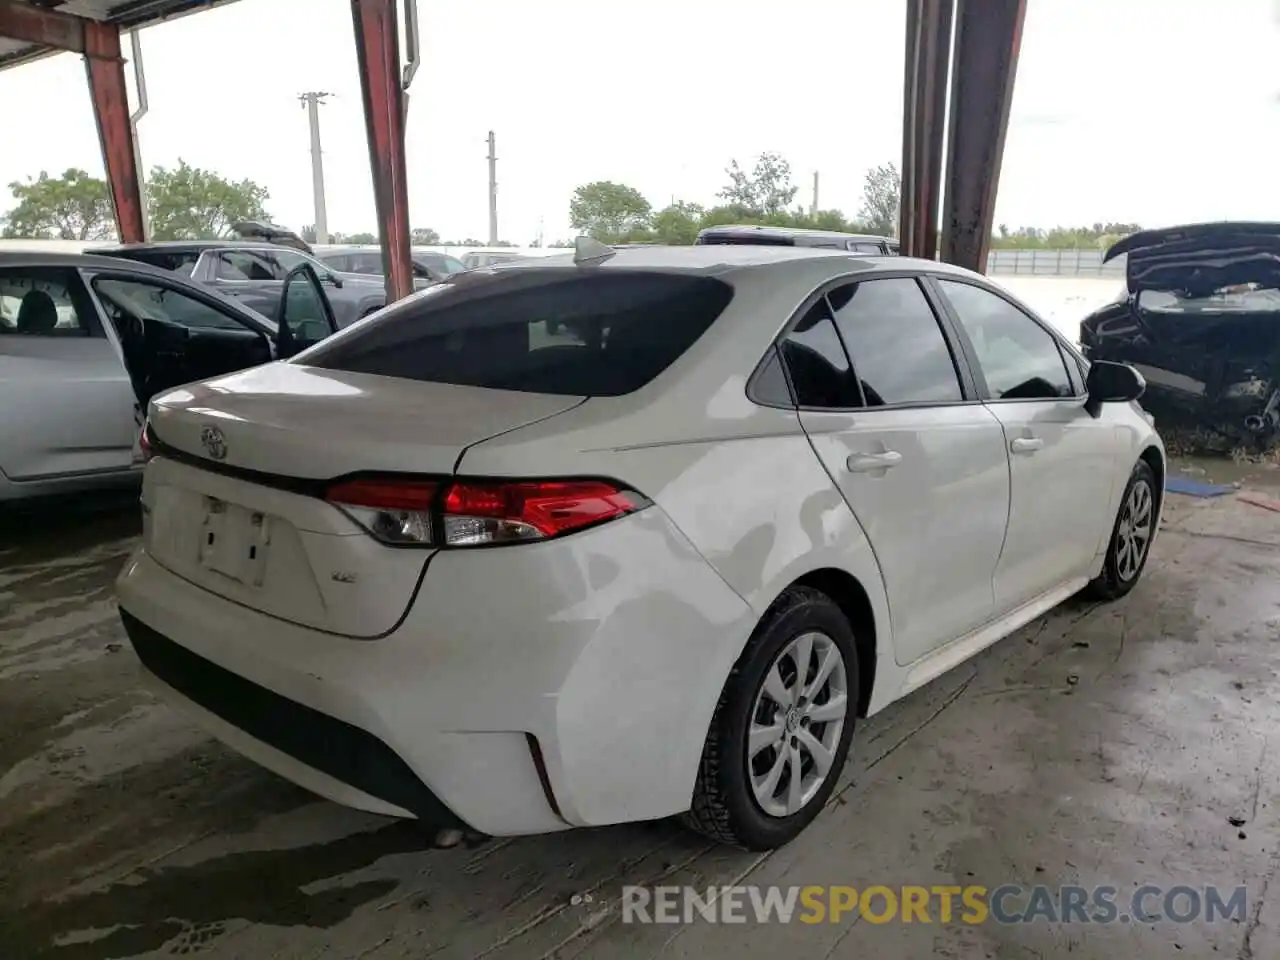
<point>1200,258</point>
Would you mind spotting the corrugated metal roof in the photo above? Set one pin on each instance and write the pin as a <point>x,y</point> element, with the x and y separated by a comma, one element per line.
<point>127,14</point>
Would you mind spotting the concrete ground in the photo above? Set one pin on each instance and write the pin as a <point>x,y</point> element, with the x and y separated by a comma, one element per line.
<point>1101,745</point>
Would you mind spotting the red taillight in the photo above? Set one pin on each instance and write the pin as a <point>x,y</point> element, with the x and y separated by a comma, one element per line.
<point>532,510</point>
<point>385,494</point>
<point>470,513</point>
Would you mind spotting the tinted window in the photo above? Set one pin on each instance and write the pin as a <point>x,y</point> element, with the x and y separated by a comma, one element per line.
<point>40,302</point>
<point>816,360</point>
<point>745,239</point>
<point>550,331</point>
<point>287,260</point>
<point>148,301</point>
<point>897,347</point>
<point>770,385</point>
<point>248,265</point>
<point>1018,357</point>
<point>437,262</point>
<point>304,312</point>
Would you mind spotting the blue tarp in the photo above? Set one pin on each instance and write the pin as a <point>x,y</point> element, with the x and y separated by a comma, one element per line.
<point>1196,488</point>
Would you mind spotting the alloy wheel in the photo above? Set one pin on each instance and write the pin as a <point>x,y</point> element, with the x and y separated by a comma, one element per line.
<point>796,724</point>
<point>1133,536</point>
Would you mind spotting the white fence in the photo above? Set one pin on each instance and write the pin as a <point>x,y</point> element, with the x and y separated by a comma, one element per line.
<point>1053,263</point>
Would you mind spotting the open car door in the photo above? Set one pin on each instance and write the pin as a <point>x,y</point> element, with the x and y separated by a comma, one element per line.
<point>304,315</point>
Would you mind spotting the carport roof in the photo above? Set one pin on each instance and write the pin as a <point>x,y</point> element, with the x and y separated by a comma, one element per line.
<point>126,14</point>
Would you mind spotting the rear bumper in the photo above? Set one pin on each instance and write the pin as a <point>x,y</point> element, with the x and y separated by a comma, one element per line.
<point>369,773</point>
<point>527,690</point>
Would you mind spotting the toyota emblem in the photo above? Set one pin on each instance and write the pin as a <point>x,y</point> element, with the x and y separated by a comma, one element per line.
<point>215,444</point>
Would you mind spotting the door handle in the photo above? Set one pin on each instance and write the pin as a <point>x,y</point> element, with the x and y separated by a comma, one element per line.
<point>1026,444</point>
<point>867,462</point>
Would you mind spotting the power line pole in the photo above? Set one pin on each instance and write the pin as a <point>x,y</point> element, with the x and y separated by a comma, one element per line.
<point>814,210</point>
<point>140,85</point>
<point>493,190</point>
<point>312,101</point>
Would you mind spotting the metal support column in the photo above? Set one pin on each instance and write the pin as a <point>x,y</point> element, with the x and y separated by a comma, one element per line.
<point>988,38</point>
<point>928,59</point>
<point>378,52</point>
<point>104,66</point>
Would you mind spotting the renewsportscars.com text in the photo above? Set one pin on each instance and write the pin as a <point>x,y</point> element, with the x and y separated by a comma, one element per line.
<point>1008,904</point>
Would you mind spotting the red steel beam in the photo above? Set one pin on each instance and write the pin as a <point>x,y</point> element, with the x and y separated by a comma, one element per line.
<point>988,38</point>
<point>104,66</point>
<point>378,52</point>
<point>36,25</point>
<point>928,59</point>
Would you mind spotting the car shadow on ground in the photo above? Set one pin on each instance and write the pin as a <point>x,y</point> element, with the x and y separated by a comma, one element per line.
<point>60,526</point>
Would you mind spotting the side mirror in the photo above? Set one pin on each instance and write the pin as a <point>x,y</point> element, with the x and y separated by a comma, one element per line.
<point>334,279</point>
<point>1112,383</point>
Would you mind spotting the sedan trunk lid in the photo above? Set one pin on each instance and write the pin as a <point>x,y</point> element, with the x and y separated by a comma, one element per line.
<point>303,422</point>
<point>234,499</point>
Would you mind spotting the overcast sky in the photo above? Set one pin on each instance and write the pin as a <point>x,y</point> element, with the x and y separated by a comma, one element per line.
<point>1154,111</point>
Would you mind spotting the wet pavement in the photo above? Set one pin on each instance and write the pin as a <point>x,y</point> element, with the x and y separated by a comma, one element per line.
<point>1119,744</point>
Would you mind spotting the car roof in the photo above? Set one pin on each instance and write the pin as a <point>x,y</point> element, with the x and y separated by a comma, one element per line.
<point>180,245</point>
<point>715,259</point>
<point>766,230</point>
<point>343,249</point>
<point>35,258</point>
<point>87,261</point>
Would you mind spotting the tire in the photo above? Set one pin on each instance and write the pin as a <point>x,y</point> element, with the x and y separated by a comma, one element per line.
<point>1120,573</point>
<point>727,805</point>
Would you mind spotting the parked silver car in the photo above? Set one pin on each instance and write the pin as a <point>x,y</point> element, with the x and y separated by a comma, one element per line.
<point>253,272</point>
<point>86,341</point>
<point>429,266</point>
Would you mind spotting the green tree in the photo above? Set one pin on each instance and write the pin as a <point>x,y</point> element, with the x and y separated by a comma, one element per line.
<point>361,239</point>
<point>766,191</point>
<point>188,203</point>
<point>608,211</point>
<point>74,206</point>
<point>881,200</point>
<point>678,223</point>
<point>423,237</point>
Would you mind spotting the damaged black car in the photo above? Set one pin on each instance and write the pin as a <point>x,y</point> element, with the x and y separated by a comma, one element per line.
<point>1200,318</point>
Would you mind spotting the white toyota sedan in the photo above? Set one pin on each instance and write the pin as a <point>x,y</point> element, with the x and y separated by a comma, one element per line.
<point>452,565</point>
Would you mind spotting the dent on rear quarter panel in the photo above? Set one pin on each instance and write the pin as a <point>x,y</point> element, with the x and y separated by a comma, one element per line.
<point>763,512</point>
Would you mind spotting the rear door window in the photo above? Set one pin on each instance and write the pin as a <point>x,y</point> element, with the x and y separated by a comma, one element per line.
<point>898,349</point>
<point>43,302</point>
<point>604,333</point>
<point>816,360</point>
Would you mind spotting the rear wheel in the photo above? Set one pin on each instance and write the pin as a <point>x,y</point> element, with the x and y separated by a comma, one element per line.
<point>782,728</point>
<point>1130,538</point>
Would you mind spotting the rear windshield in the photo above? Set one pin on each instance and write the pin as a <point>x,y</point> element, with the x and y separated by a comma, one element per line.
<point>602,334</point>
<point>745,239</point>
